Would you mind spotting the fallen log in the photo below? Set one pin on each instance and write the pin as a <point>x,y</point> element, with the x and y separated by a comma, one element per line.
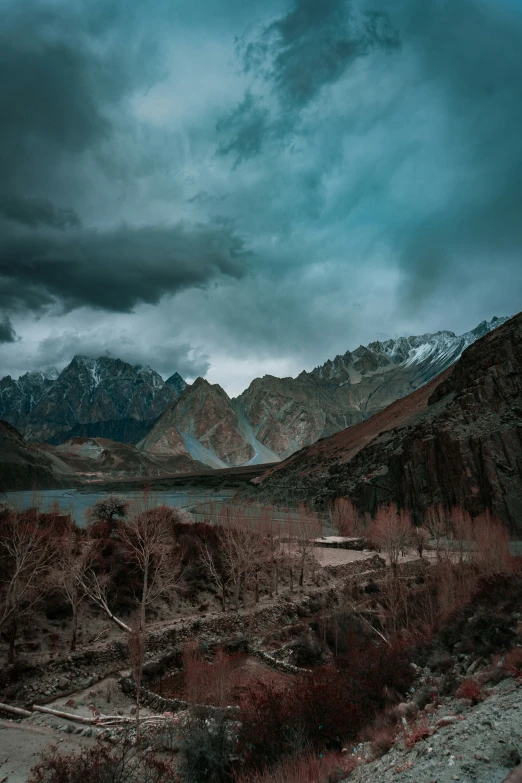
<point>66,715</point>
<point>14,710</point>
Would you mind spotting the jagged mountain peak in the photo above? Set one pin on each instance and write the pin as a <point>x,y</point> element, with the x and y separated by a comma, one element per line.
<point>177,383</point>
<point>441,348</point>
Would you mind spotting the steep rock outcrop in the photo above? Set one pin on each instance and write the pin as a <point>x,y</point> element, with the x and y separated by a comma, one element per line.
<point>456,440</point>
<point>177,383</point>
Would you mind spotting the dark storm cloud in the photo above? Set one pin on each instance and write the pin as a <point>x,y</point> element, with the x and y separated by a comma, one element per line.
<point>7,333</point>
<point>55,92</point>
<point>71,70</point>
<point>304,50</point>
<point>313,44</point>
<point>472,51</point>
<point>114,270</point>
<point>166,356</point>
<point>36,211</point>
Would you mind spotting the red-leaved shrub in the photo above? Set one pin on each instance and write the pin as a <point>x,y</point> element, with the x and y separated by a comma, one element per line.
<point>418,731</point>
<point>305,768</point>
<point>469,689</point>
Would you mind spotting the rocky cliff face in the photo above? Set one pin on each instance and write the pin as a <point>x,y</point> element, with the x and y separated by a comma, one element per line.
<point>456,440</point>
<point>90,397</point>
<point>18,398</point>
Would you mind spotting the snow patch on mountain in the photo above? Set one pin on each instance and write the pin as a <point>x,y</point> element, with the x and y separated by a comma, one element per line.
<point>433,353</point>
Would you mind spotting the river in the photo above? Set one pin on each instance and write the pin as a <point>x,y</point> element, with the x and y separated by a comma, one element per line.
<point>77,502</point>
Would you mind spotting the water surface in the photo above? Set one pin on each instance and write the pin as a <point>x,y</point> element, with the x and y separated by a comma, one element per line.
<point>70,500</point>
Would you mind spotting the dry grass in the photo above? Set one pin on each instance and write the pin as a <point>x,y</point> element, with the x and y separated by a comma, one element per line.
<point>306,768</point>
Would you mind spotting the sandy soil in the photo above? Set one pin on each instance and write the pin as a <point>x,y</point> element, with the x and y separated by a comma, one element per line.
<point>332,557</point>
<point>21,744</point>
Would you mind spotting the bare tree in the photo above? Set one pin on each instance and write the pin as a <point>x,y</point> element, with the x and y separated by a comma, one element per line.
<point>27,553</point>
<point>147,539</point>
<point>436,523</point>
<point>463,533</point>
<point>306,528</point>
<point>270,528</point>
<point>232,538</point>
<point>137,657</point>
<point>492,552</point>
<point>345,517</point>
<point>391,531</point>
<point>209,558</point>
<point>96,587</point>
<point>419,538</point>
<point>75,559</point>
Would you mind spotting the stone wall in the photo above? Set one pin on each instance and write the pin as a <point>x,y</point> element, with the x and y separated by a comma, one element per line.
<point>233,627</point>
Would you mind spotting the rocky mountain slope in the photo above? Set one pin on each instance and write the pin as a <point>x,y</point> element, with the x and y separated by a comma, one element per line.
<point>480,743</point>
<point>210,426</point>
<point>102,397</point>
<point>25,466</point>
<point>457,440</point>
<point>289,413</point>
<point>18,398</point>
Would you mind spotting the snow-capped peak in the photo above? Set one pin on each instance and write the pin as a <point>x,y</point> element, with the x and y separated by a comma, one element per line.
<point>432,353</point>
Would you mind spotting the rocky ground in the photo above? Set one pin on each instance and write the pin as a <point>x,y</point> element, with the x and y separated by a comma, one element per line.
<point>472,744</point>
<point>441,739</point>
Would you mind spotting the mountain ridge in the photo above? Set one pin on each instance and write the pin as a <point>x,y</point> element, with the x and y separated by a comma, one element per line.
<point>270,420</point>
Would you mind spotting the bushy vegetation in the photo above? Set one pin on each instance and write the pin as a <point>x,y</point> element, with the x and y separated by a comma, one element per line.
<point>324,709</point>
<point>359,649</point>
<point>123,763</point>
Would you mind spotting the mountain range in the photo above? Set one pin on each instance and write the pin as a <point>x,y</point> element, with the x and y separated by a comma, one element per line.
<point>457,440</point>
<point>109,399</point>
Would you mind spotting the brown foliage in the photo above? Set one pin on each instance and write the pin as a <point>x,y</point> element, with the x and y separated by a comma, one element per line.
<point>208,682</point>
<point>303,768</point>
<point>101,764</point>
<point>391,532</point>
<point>345,517</point>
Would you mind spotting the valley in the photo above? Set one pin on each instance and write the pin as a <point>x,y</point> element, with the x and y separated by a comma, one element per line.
<point>170,604</point>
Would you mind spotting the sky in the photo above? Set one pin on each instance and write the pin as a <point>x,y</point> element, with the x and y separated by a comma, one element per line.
<point>233,189</point>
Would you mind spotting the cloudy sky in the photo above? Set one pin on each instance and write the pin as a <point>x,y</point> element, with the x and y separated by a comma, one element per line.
<point>230,188</point>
